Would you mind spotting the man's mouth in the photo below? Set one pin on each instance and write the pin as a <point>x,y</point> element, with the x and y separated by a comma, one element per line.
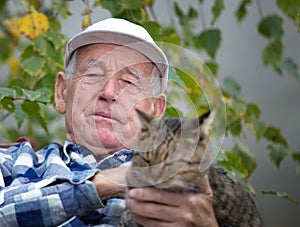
<point>104,115</point>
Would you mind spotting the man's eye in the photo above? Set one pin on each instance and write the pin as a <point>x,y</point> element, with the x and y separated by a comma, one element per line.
<point>92,77</point>
<point>128,82</point>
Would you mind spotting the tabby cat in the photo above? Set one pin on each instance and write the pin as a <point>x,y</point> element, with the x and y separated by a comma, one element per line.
<point>168,155</point>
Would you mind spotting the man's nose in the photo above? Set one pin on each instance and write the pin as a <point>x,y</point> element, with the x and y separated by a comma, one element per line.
<point>109,91</point>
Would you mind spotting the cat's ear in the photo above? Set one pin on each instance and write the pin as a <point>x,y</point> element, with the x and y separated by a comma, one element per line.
<point>143,119</point>
<point>205,121</point>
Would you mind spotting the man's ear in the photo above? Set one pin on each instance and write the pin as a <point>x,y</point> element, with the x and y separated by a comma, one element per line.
<point>159,104</point>
<point>60,93</point>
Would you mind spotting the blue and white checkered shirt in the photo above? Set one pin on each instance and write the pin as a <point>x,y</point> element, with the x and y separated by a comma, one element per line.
<point>51,187</point>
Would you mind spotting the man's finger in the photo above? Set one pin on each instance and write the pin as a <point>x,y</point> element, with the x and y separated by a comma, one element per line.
<point>156,195</point>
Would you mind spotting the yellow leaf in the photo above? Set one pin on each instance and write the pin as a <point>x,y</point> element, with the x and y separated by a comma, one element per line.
<point>33,24</point>
<point>13,65</point>
<point>86,22</point>
<point>12,26</point>
<point>148,2</point>
<point>97,2</point>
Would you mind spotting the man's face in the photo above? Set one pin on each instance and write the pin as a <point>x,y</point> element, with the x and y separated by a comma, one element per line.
<point>99,100</point>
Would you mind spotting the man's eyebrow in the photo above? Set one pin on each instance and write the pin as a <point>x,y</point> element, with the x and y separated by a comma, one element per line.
<point>134,72</point>
<point>89,64</point>
<point>94,63</point>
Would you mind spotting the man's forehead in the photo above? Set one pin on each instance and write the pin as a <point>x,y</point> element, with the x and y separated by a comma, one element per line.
<point>112,57</point>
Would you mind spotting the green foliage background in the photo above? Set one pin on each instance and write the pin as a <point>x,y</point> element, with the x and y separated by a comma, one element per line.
<point>26,92</point>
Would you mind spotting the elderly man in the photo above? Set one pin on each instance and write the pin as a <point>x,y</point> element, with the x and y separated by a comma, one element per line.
<point>112,68</point>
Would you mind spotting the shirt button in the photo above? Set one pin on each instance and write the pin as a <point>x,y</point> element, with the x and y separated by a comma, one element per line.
<point>76,180</point>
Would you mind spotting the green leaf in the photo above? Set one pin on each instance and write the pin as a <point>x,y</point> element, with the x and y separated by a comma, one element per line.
<point>273,134</point>
<point>45,48</point>
<point>57,39</point>
<point>252,121</point>
<point>231,87</point>
<point>172,112</point>
<point>8,104</point>
<point>61,8</point>
<point>281,195</point>
<point>216,10</point>
<point>291,8</point>
<point>6,48</point>
<point>192,13</point>
<point>170,36</point>
<point>134,15</point>
<point>296,156</point>
<point>278,152</point>
<point>32,95</point>
<point>246,156</point>
<point>290,67</point>
<point>33,65</point>
<point>241,11</point>
<point>239,107</point>
<point>234,164</point>
<point>28,52</point>
<point>235,127</point>
<point>257,127</point>
<point>35,111</point>
<point>7,92</point>
<point>174,78</point>
<point>178,11</point>
<point>154,29</point>
<point>20,115</point>
<point>213,67</point>
<point>252,110</point>
<point>209,40</point>
<point>131,4</point>
<point>113,6</point>
<point>271,27</point>
<point>272,55</point>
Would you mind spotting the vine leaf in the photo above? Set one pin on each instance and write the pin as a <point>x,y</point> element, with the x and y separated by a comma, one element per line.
<point>290,67</point>
<point>7,92</point>
<point>216,10</point>
<point>209,40</point>
<point>154,29</point>
<point>33,24</point>
<point>272,55</point>
<point>20,115</point>
<point>131,4</point>
<point>232,87</point>
<point>274,135</point>
<point>34,110</point>
<point>241,12</point>
<point>271,27</point>
<point>278,152</point>
<point>33,65</point>
<point>291,8</point>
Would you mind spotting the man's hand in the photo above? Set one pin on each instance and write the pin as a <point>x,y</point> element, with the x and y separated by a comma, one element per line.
<point>111,183</point>
<point>155,207</point>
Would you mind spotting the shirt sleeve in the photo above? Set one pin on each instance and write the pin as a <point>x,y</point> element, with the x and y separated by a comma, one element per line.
<point>46,188</point>
<point>49,206</point>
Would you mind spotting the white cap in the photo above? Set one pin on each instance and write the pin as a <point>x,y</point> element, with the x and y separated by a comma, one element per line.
<point>121,32</point>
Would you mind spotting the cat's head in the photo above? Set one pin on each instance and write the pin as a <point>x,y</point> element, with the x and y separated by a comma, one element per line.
<point>156,131</point>
<point>169,151</point>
